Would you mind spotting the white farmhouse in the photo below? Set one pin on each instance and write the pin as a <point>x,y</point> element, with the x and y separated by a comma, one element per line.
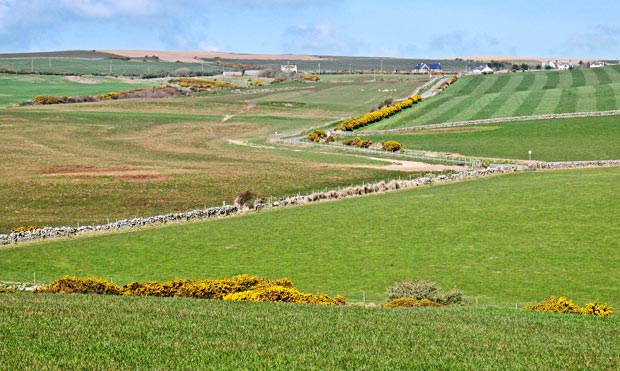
<point>597,64</point>
<point>288,68</point>
<point>482,70</point>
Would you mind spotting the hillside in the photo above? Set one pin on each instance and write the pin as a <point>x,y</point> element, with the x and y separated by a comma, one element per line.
<point>515,94</point>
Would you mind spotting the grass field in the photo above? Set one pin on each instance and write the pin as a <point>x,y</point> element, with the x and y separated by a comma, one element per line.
<point>89,163</point>
<point>594,138</point>
<point>46,332</point>
<point>101,66</point>
<point>516,94</point>
<point>505,240</point>
<point>18,89</point>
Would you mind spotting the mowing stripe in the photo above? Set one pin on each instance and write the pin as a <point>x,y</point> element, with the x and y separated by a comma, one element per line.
<point>515,81</point>
<point>579,79</point>
<point>531,102</point>
<point>527,82</point>
<point>491,108</point>
<point>605,97</point>
<point>553,79</point>
<point>512,104</point>
<point>566,80</point>
<point>586,99</point>
<point>456,112</point>
<point>499,84</point>
<point>590,77</point>
<point>468,87</point>
<point>567,102</point>
<point>602,75</point>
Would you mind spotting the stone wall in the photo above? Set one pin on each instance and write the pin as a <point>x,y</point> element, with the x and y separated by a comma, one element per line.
<point>228,210</point>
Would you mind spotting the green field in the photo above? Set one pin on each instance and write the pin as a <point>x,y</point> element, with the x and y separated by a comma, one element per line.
<point>102,66</point>
<point>16,89</point>
<point>574,139</point>
<point>94,162</point>
<point>76,332</point>
<point>505,240</point>
<point>515,94</point>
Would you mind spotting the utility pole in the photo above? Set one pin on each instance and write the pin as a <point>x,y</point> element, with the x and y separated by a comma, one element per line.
<point>382,66</point>
<point>32,65</point>
<point>110,67</point>
<point>319,68</point>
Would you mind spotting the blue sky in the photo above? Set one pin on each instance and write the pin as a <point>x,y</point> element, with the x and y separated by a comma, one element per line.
<point>390,28</point>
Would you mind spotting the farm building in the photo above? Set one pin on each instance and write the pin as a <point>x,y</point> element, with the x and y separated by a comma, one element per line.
<point>597,64</point>
<point>435,67</point>
<point>424,68</point>
<point>421,68</point>
<point>289,68</point>
<point>232,74</point>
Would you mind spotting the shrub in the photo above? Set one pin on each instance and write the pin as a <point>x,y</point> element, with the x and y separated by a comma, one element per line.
<point>243,198</point>
<point>312,78</point>
<point>330,139</point>
<point>316,136</point>
<point>596,309</point>
<point>410,303</point>
<point>392,146</point>
<point>354,142</point>
<point>256,83</point>
<point>74,285</point>
<point>378,114</point>
<point>29,228</point>
<point>564,305</point>
<point>242,287</point>
<point>418,290</point>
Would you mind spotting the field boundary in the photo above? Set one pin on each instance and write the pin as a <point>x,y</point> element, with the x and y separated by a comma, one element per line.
<point>486,121</point>
<point>47,233</point>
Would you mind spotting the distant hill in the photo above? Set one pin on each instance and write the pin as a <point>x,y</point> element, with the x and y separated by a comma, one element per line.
<point>86,54</point>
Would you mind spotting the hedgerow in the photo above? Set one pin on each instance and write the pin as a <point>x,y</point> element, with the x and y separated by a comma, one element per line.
<point>351,124</point>
<point>159,92</point>
<point>239,288</point>
<point>564,305</point>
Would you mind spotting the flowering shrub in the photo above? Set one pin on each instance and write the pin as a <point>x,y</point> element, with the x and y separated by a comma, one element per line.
<point>351,124</point>
<point>410,303</point>
<point>74,285</point>
<point>312,78</point>
<point>198,85</point>
<point>564,305</point>
<point>29,228</point>
<point>316,136</point>
<point>392,146</point>
<point>243,287</point>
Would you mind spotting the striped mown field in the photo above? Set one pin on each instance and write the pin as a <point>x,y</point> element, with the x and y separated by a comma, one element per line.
<point>516,94</point>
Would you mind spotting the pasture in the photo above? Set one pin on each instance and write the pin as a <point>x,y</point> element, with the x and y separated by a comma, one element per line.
<point>572,139</point>
<point>93,162</point>
<point>131,333</point>
<point>503,240</point>
<point>105,66</point>
<point>16,89</point>
<point>516,94</point>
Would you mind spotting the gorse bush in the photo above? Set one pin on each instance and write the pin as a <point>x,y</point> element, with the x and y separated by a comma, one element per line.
<point>239,288</point>
<point>316,136</point>
<point>351,124</point>
<point>418,290</point>
<point>24,228</point>
<point>564,305</point>
<point>392,146</point>
<point>410,303</point>
<point>198,85</point>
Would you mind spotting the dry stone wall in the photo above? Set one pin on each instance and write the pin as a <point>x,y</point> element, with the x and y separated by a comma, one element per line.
<point>47,233</point>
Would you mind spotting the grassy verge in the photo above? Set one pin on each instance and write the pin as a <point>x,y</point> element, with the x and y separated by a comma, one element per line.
<point>505,240</point>
<point>46,332</point>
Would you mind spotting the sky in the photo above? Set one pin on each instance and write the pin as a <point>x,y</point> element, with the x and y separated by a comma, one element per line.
<point>389,28</point>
